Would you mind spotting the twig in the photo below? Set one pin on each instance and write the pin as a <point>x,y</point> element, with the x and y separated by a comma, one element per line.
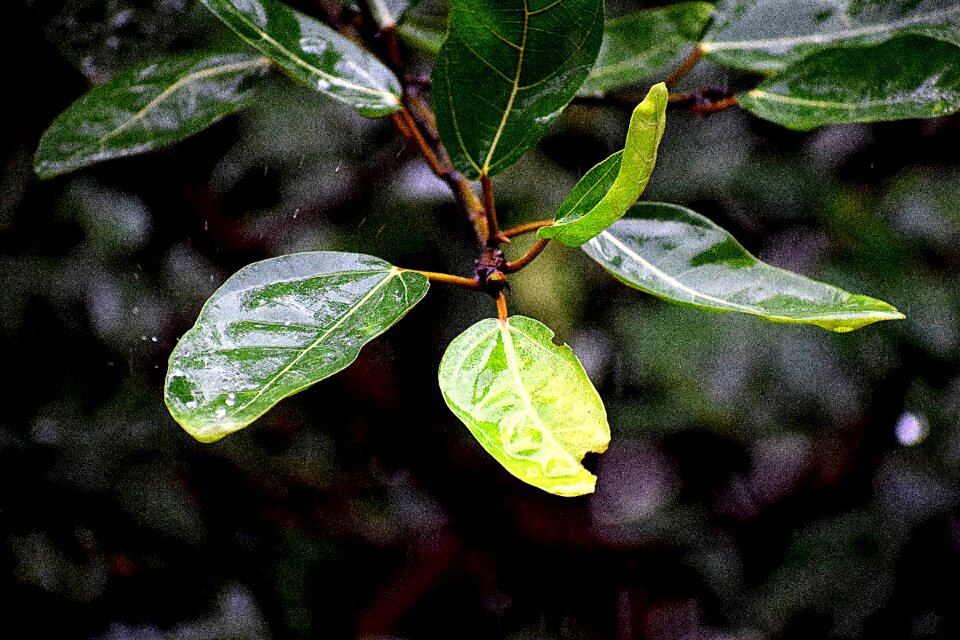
<point>528,257</point>
<point>713,107</point>
<point>689,63</point>
<point>494,235</point>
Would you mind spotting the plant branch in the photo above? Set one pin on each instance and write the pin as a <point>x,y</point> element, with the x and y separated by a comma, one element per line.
<point>528,257</point>
<point>713,107</point>
<point>494,235</point>
<point>527,228</point>
<point>685,67</point>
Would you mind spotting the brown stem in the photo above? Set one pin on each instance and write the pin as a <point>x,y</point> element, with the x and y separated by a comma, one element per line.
<point>689,63</point>
<point>527,228</point>
<point>714,107</point>
<point>409,129</point>
<point>494,235</point>
<point>458,281</point>
<point>502,308</point>
<point>528,257</point>
<point>393,47</point>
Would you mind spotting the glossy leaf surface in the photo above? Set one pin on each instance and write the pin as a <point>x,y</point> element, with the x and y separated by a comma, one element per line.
<point>605,193</point>
<point>682,257</point>
<point>506,71</point>
<point>313,53</point>
<point>527,401</point>
<point>423,34</point>
<point>764,35</point>
<point>143,109</point>
<point>275,328</point>
<point>907,77</point>
<point>640,45</point>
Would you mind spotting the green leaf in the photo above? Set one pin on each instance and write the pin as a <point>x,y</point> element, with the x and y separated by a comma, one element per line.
<point>142,109</point>
<point>275,328</point>
<point>506,71</point>
<point>682,257</point>
<point>423,34</point>
<point>640,45</point>
<point>765,35</point>
<point>613,186</point>
<point>527,401</point>
<point>908,77</point>
<point>313,53</point>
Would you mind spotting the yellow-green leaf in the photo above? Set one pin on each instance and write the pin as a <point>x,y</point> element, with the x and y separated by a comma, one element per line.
<point>527,401</point>
<point>605,193</point>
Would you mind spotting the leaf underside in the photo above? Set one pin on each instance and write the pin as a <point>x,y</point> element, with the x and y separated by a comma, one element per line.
<point>144,109</point>
<point>313,53</point>
<point>767,35</point>
<point>680,256</point>
<point>613,186</point>
<point>908,77</point>
<point>275,328</point>
<point>506,71</point>
<point>527,401</point>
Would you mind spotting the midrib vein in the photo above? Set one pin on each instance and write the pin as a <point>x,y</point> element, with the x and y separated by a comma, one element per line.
<point>346,84</point>
<point>820,38</point>
<point>694,294</point>
<point>510,351</point>
<point>176,86</point>
<point>513,91</point>
<point>319,340</point>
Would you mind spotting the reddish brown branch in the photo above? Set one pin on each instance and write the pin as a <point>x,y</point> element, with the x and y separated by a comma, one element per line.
<point>529,256</point>
<point>689,63</point>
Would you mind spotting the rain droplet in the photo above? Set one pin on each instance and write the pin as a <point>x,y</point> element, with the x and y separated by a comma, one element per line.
<point>144,338</point>
<point>135,310</point>
<point>192,404</point>
<point>221,412</point>
<point>231,400</point>
<point>154,339</point>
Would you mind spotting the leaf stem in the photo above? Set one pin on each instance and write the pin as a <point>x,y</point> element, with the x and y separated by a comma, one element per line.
<point>685,67</point>
<point>494,235</point>
<point>529,256</point>
<point>409,130</point>
<point>527,228</point>
<point>502,307</point>
<point>458,281</point>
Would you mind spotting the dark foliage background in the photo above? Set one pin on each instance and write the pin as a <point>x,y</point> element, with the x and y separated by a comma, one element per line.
<point>764,481</point>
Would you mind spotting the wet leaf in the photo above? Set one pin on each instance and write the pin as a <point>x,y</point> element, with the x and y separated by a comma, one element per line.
<point>907,77</point>
<point>506,71</point>
<point>527,401</point>
<point>765,35</point>
<point>143,109</point>
<point>642,44</point>
<point>313,53</point>
<point>275,328</point>
<point>682,257</point>
<point>613,186</point>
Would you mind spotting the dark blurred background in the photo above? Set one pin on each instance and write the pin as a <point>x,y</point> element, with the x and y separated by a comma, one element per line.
<point>764,481</point>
